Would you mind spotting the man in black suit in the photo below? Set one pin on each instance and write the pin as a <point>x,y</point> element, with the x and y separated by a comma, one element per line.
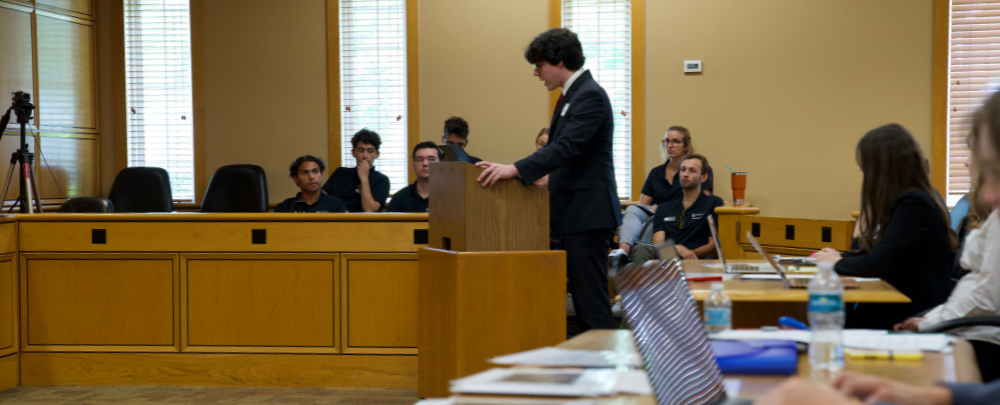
<point>577,167</point>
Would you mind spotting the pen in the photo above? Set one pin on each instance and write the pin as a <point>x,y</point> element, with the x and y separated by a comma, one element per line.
<point>710,278</point>
<point>792,323</point>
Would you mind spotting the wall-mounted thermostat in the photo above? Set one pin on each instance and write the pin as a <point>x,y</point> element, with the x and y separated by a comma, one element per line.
<point>692,66</point>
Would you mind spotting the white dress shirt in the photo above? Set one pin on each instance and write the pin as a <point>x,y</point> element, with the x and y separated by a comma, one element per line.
<point>978,292</point>
<point>572,79</point>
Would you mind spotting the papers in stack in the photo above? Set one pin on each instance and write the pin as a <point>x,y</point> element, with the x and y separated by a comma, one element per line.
<point>555,357</point>
<point>854,338</point>
<point>554,382</point>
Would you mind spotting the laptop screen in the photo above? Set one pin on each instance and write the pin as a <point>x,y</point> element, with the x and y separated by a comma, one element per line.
<point>669,332</point>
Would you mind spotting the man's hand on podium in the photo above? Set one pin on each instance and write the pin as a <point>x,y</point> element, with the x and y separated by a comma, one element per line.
<point>495,172</point>
<point>542,182</point>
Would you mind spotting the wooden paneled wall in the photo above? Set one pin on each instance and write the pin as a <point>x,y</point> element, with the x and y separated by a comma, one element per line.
<point>49,49</point>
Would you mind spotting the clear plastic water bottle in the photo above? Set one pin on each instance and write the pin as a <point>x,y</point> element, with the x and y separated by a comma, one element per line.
<point>718,310</point>
<point>826,319</point>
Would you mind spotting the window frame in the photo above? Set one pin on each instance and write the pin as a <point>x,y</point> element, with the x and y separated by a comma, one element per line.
<point>333,83</point>
<point>116,20</point>
<point>638,87</point>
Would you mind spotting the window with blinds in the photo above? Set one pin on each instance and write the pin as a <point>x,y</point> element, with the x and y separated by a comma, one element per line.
<point>973,75</point>
<point>158,90</point>
<point>373,82</point>
<point>605,31</point>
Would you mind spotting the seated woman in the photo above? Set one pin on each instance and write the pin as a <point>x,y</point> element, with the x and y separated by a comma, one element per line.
<point>906,237</point>
<point>662,185</point>
<point>542,139</point>
<point>978,292</point>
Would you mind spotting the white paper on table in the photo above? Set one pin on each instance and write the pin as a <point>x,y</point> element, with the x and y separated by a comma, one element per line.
<point>854,338</point>
<point>556,357</point>
<point>505,401</point>
<point>634,382</point>
<point>542,381</point>
<point>732,386</point>
<point>777,277</point>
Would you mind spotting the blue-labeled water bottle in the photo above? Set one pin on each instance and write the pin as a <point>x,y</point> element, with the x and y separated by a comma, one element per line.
<point>718,310</point>
<point>826,320</point>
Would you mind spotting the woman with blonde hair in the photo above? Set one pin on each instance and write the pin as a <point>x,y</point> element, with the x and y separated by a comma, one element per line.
<point>662,185</point>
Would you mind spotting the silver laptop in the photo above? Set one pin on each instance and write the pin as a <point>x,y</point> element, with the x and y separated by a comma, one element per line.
<point>736,268</point>
<point>669,332</point>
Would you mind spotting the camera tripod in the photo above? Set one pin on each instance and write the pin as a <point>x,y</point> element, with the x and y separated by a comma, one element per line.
<point>22,160</point>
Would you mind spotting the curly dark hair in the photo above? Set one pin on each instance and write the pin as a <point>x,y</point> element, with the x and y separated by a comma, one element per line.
<point>367,136</point>
<point>425,145</point>
<point>456,126</point>
<point>554,46</point>
<point>294,168</point>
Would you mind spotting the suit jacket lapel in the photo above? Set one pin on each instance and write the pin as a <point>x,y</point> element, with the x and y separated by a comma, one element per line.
<point>553,131</point>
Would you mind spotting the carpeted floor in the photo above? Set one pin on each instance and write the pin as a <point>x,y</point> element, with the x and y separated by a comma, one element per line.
<point>92,395</point>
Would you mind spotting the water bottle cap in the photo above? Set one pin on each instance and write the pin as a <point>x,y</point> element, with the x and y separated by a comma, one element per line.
<point>717,286</point>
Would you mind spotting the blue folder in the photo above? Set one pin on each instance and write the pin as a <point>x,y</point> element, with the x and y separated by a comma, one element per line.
<point>768,357</point>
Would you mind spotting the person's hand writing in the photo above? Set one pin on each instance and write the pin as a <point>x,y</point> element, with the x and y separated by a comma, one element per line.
<point>363,168</point>
<point>798,391</point>
<point>495,172</point>
<point>827,255</point>
<point>542,182</point>
<point>877,389</point>
<point>685,253</point>
<point>912,325</point>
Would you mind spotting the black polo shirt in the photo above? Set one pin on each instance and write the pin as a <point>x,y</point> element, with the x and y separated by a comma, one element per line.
<point>693,231</point>
<point>325,203</point>
<point>408,200</point>
<point>345,184</point>
<point>656,185</point>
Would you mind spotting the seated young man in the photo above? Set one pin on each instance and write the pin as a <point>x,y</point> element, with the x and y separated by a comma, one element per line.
<point>307,173</point>
<point>413,198</point>
<point>362,188</point>
<point>456,132</point>
<point>684,219</point>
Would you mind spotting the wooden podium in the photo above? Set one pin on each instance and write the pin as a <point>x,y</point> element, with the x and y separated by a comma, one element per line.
<point>488,283</point>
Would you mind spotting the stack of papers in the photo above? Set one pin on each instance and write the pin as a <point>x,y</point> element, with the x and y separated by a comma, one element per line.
<point>554,382</point>
<point>555,357</point>
<point>854,338</point>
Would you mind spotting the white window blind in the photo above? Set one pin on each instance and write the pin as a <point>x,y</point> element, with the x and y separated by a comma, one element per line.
<point>973,75</point>
<point>158,90</point>
<point>605,31</point>
<point>373,82</point>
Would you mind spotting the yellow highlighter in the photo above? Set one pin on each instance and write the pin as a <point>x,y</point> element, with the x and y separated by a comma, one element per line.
<point>878,354</point>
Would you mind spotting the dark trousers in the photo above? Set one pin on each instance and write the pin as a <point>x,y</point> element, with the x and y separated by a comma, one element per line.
<point>988,356</point>
<point>587,268</point>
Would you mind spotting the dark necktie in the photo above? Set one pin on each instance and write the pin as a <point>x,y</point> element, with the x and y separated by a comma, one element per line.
<point>558,104</point>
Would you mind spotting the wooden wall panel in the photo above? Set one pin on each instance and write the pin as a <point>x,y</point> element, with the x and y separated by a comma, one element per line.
<point>10,372</point>
<point>85,7</point>
<point>100,301</point>
<point>72,164</point>
<point>260,302</point>
<point>15,55</point>
<point>7,306</point>
<point>67,89</point>
<point>381,301</point>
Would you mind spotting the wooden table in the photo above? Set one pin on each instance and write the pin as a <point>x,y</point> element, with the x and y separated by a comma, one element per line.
<point>759,303</point>
<point>958,366</point>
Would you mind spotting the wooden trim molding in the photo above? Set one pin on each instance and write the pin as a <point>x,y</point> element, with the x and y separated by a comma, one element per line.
<point>116,22</point>
<point>638,96</point>
<point>939,109</point>
<point>412,79</point>
<point>638,87</point>
<point>333,80</point>
<point>555,21</point>
<point>201,174</point>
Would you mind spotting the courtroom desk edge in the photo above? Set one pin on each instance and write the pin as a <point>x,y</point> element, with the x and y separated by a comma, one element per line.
<point>218,217</point>
<point>724,210</point>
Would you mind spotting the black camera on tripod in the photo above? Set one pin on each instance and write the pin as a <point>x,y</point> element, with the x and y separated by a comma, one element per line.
<point>22,106</point>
